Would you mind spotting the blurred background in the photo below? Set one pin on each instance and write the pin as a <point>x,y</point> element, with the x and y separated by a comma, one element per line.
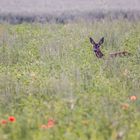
<point>17,11</point>
<point>49,72</point>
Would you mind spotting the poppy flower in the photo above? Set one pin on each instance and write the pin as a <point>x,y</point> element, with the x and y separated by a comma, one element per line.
<point>125,106</point>
<point>12,119</point>
<point>50,123</point>
<point>133,98</point>
<point>3,122</point>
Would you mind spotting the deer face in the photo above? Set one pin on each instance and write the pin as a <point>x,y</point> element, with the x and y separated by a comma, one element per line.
<point>96,47</point>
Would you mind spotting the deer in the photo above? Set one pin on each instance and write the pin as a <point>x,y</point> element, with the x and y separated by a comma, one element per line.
<point>99,54</point>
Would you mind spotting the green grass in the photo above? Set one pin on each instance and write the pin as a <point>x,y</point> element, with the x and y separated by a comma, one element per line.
<point>49,71</point>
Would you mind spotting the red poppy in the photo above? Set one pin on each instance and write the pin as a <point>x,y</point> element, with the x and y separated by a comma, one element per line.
<point>133,98</point>
<point>50,123</point>
<point>12,119</point>
<point>125,106</point>
<point>3,122</point>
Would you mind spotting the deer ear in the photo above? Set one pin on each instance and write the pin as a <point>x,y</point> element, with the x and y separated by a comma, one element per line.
<point>92,41</point>
<point>101,41</point>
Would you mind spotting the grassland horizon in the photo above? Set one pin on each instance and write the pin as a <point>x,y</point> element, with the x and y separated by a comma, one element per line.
<point>64,11</point>
<point>69,16</point>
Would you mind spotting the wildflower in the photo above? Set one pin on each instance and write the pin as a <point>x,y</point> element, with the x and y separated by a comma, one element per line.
<point>12,119</point>
<point>3,122</point>
<point>43,126</point>
<point>133,98</point>
<point>50,123</point>
<point>125,106</point>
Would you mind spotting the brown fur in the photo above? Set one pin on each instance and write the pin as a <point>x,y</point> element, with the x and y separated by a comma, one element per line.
<point>120,54</point>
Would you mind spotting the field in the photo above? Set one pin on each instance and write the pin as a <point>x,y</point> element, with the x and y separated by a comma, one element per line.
<point>52,86</point>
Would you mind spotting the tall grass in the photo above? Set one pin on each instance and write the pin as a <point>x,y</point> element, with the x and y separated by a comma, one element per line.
<point>49,71</point>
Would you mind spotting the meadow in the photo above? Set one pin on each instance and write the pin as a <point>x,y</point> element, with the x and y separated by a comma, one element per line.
<point>52,86</point>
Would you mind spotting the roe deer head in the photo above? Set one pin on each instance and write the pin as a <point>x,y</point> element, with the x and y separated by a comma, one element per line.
<point>96,47</point>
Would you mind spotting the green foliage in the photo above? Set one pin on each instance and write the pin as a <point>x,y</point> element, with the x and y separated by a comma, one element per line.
<point>50,71</point>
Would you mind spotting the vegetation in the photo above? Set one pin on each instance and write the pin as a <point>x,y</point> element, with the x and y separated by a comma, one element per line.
<point>65,17</point>
<point>53,87</point>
